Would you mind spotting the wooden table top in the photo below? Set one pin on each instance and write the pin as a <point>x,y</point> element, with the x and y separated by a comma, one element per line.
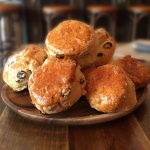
<point>128,133</point>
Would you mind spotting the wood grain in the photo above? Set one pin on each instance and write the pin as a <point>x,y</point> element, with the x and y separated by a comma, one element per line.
<point>2,105</point>
<point>123,134</point>
<point>17,133</point>
<point>143,114</point>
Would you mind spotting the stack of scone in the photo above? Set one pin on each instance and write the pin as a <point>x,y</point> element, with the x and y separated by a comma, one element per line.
<point>75,63</point>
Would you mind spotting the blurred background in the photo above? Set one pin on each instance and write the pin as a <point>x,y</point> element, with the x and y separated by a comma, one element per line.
<point>28,21</point>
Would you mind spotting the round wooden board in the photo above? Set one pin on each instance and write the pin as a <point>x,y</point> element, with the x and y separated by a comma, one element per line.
<point>79,114</point>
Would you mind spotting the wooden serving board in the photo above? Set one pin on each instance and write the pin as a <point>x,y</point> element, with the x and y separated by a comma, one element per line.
<point>80,114</point>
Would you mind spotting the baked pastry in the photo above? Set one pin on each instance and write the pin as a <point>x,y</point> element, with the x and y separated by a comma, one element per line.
<point>71,38</point>
<point>106,46</point>
<point>56,85</point>
<point>20,66</point>
<point>102,51</point>
<point>137,71</point>
<point>109,89</point>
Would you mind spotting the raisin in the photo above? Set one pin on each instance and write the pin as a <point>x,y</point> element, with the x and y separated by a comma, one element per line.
<point>18,81</point>
<point>99,54</point>
<point>12,62</point>
<point>107,45</point>
<point>81,81</point>
<point>45,58</point>
<point>21,74</point>
<point>60,56</point>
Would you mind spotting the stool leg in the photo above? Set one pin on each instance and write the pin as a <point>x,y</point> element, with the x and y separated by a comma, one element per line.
<point>0,36</point>
<point>70,16</point>
<point>148,27</point>
<point>134,29</point>
<point>48,19</point>
<point>92,20</point>
<point>17,29</point>
<point>113,25</point>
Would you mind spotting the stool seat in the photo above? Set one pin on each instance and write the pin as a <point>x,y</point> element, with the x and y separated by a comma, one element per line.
<point>53,11</point>
<point>58,9</point>
<point>136,14</point>
<point>98,11</point>
<point>8,8</point>
<point>139,9</point>
<point>101,8</point>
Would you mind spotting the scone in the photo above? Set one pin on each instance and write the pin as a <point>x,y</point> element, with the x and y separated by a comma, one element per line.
<point>102,52</point>
<point>56,85</point>
<point>71,38</point>
<point>109,89</point>
<point>20,66</point>
<point>137,71</point>
<point>106,46</point>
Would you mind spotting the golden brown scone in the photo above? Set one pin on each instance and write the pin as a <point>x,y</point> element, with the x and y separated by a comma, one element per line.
<point>102,51</point>
<point>71,38</point>
<point>20,66</point>
<point>137,71</point>
<point>56,85</point>
<point>109,89</point>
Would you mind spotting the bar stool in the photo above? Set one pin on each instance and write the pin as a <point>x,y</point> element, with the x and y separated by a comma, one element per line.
<point>51,12</point>
<point>136,14</point>
<point>9,15</point>
<point>8,27</point>
<point>96,12</point>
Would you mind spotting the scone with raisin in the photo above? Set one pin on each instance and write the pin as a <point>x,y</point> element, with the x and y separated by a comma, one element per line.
<point>56,85</point>
<point>104,49</point>
<point>20,66</point>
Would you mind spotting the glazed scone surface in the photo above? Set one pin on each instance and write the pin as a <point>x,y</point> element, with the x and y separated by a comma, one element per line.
<point>137,71</point>
<point>56,85</point>
<point>130,99</point>
<point>71,38</point>
<point>106,87</point>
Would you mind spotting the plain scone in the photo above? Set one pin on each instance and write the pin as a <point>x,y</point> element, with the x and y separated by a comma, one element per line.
<point>137,71</point>
<point>20,66</point>
<point>73,39</point>
<point>56,85</point>
<point>109,89</point>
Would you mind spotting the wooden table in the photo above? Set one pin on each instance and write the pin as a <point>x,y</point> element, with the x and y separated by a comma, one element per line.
<point>129,133</point>
<point>127,48</point>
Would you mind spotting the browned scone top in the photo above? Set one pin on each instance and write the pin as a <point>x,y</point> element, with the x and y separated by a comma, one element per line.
<point>102,35</point>
<point>33,55</point>
<point>71,38</point>
<point>30,56</point>
<point>56,86</point>
<point>137,71</point>
<point>107,88</point>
